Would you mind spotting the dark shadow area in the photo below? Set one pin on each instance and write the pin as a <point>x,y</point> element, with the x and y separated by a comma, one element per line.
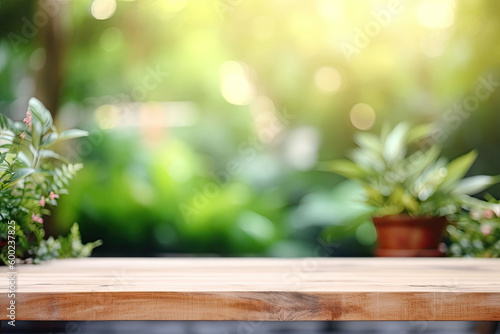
<point>241,327</point>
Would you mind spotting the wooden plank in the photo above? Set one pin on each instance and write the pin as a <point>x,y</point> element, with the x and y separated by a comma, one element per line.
<point>257,289</point>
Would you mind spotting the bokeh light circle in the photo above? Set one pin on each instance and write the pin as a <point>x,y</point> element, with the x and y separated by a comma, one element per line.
<point>103,9</point>
<point>327,79</point>
<point>362,116</point>
<point>236,86</point>
<point>436,14</point>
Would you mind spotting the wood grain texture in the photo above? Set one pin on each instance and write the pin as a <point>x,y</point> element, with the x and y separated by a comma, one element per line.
<point>257,289</point>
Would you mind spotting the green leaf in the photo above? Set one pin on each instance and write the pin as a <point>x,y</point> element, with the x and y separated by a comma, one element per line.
<point>40,113</point>
<point>368,141</point>
<point>5,122</point>
<point>419,132</point>
<point>474,203</point>
<point>73,133</point>
<point>19,126</point>
<point>44,154</point>
<point>474,184</point>
<point>49,139</point>
<point>23,159</point>
<point>33,150</point>
<point>419,161</point>
<point>10,157</point>
<point>36,132</point>
<point>7,136</point>
<point>410,203</point>
<point>17,176</point>
<point>395,143</point>
<point>374,197</point>
<point>345,168</point>
<point>72,246</point>
<point>367,158</point>
<point>459,167</point>
<point>397,194</point>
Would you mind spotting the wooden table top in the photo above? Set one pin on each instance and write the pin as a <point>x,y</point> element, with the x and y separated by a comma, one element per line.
<point>257,289</point>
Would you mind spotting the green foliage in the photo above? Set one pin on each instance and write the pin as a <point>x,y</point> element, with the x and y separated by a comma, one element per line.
<point>31,178</point>
<point>283,45</point>
<point>476,233</point>
<point>398,177</point>
<point>150,200</point>
<point>64,246</point>
<point>342,214</point>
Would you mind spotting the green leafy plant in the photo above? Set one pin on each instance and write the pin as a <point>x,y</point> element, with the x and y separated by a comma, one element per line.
<point>401,177</point>
<point>32,177</point>
<point>476,232</point>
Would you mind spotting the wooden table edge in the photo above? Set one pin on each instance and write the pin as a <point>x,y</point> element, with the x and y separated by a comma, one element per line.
<point>256,306</point>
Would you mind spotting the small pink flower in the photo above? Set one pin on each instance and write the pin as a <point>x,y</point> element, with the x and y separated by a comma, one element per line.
<point>486,229</point>
<point>42,201</point>
<point>23,135</point>
<point>27,119</point>
<point>36,218</point>
<point>53,196</point>
<point>488,214</point>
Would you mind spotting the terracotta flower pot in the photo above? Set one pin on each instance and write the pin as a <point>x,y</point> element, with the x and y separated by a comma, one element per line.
<point>406,236</point>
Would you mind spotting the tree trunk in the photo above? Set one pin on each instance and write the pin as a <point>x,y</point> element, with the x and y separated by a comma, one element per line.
<point>49,78</point>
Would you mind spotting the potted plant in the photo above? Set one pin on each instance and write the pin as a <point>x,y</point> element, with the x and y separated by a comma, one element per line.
<point>32,177</point>
<point>411,188</point>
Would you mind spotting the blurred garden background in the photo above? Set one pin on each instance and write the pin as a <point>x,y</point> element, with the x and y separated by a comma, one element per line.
<point>208,119</point>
